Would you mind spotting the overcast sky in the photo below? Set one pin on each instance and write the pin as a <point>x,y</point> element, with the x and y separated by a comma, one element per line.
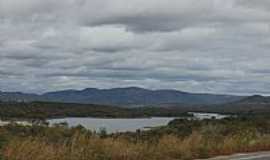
<point>213,46</point>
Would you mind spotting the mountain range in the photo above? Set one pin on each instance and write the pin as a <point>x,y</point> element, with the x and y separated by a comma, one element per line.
<point>247,105</point>
<point>130,96</point>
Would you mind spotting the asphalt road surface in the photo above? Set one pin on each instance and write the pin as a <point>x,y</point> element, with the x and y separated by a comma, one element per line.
<point>251,156</point>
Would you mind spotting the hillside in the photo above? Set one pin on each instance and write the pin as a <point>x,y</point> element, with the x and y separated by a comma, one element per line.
<point>250,105</point>
<point>131,96</point>
<point>256,99</point>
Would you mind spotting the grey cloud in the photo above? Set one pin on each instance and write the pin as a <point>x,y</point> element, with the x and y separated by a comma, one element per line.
<point>6,73</point>
<point>263,4</point>
<point>200,46</point>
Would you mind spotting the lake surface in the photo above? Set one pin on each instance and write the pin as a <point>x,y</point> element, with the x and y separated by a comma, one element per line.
<point>114,125</point>
<point>132,124</point>
<point>202,116</point>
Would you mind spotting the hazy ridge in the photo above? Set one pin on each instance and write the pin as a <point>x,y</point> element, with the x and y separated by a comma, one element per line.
<point>131,96</point>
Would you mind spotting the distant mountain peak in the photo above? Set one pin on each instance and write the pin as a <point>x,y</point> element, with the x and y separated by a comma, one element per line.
<point>90,89</point>
<point>256,99</point>
<point>122,96</point>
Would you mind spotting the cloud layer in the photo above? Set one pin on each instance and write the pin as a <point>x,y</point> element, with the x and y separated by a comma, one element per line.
<point>213,46</point>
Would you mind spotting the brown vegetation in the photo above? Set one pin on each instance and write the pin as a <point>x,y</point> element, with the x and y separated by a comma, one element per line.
<point>207,141</point>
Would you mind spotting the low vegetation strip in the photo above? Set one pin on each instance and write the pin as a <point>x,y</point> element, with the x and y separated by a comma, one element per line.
<point>45,110</point>
<point>180,139</point>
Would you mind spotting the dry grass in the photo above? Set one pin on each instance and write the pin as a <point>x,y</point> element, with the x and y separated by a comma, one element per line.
<point>169,147</point>
<point>62,143</point>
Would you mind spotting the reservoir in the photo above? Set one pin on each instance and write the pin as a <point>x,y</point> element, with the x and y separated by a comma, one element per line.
<point>114,125</point>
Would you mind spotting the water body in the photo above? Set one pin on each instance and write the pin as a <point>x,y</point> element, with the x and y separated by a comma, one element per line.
<point>202,116</point>
<point>22,123</point>
<point>114,125</point>
<point>131,124</point>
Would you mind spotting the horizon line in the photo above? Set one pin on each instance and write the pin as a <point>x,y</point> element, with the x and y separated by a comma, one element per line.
<point>137,87</point>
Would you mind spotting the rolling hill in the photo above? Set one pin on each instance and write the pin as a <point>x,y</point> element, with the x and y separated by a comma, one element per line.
<point>249,105</point>
<point>131,96</point>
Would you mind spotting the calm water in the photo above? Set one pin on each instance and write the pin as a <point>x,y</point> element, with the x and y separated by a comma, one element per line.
<point>123,125</point>
<point>201,116</point>
<point>114,125</point>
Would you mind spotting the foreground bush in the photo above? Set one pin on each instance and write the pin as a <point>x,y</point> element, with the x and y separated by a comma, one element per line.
<point>82,147</point>
<point>206,139</point>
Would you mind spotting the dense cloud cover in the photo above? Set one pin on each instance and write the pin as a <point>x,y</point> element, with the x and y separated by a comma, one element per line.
<point>215,46</point>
